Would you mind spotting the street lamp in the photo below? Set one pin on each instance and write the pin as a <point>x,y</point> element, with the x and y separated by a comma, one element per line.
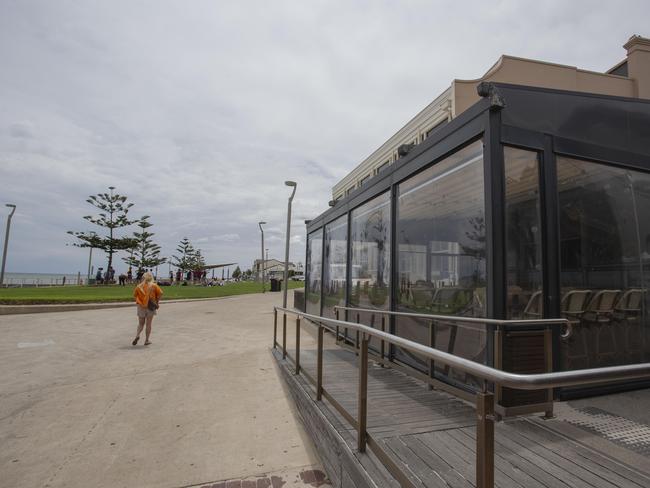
<point>90,259</point>
<point>262,263</point>
<point>4,252</point>
<point>286,249</point>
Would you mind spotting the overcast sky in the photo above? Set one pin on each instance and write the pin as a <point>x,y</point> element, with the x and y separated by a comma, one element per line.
<point>198,111</point>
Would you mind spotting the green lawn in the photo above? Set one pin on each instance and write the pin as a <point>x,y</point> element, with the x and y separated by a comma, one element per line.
<point>115,293</point>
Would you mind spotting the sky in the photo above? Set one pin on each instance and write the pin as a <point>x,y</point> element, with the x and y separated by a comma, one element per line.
<point>198,111</point>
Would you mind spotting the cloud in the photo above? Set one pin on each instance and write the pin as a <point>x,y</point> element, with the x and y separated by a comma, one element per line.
<point>200,111</point>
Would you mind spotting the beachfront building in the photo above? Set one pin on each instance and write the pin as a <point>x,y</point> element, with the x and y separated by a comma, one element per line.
<point>522,194</point>
<point>273,268</point>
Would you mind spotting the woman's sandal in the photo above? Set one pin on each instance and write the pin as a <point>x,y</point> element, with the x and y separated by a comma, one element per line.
<point>147,343</point>
<point>135,341</point>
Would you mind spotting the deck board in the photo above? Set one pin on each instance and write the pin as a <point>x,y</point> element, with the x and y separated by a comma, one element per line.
<point>431,435</point>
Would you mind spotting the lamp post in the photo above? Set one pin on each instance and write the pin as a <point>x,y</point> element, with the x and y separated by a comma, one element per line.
<point>90,260</point>
<point>286,248</point>
<point>262,263</point>
<point>4,252</point>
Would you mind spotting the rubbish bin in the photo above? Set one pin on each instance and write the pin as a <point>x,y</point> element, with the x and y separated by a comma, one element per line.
<point>275,285</point>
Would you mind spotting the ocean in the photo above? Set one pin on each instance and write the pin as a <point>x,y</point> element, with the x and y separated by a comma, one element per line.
<point>45,279</point>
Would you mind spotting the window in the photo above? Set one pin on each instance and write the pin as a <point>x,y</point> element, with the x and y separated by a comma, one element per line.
<point>523,235</point>
<point>335,265</point>
<point>364,179</point>
<point>441,253</point>
<point>604,263</point>
<point>435,128</point>
<point>314,270</point>
<point>382,166</point>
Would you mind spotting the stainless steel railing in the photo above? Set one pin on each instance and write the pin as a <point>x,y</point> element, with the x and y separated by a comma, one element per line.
<point>484,398</point>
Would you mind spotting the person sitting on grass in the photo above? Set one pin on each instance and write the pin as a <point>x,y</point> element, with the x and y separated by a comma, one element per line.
<point>147,296</point>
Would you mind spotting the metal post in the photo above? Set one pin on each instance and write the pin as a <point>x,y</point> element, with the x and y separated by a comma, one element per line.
<point>498,360</point>
<point>90,260</point>
<point>284,336</point>
<point>484,440</point>
<point>432,344</point>
<point>286,250</point>
<point>275,327</point>
<point>298,345</point>
<point>356,343</point>
<point>319,365</point>
<point>548,356</point>
<point>362,413</point>
<point>336,314</point>
<point>260,224</point>
<point>4,252</point>
<point>383,329</point>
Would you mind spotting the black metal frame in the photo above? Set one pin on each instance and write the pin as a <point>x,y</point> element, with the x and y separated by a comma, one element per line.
<point>549,122</point>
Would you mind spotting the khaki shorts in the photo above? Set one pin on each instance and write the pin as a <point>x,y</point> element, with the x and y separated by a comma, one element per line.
<point>144,312</point>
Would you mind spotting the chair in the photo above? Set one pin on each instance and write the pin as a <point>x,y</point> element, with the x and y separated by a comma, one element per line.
<point>599,314</point>
<point>627,314</point>
<point>533,309</point>
<point>576,349</point>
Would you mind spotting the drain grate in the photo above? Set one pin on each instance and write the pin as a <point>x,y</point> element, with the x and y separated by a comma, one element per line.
<point>621,431</point>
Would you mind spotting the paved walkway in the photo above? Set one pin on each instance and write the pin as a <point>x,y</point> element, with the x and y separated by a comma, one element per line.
<point>79,406</point>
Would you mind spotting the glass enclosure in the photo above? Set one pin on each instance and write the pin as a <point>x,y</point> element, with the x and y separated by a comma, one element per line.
<point>335,265</point>
<point>441,242</point>
<point>314,270</point>
<point>523,235</point>
<point>605,260</point>
<point>566,233</point>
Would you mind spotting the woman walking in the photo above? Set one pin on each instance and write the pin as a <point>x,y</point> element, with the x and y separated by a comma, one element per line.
<point>147,295</point>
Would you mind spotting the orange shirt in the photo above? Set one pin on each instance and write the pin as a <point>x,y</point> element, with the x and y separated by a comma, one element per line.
<point>141,293</point>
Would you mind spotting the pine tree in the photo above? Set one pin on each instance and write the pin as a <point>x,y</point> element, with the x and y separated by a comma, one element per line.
<point>237,273</point>
<point>112,216</point>
<point>145,254</point>
<point>186,255</point>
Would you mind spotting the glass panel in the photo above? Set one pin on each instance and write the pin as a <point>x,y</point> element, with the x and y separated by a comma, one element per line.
<point>441,266</point>
<point>605,260</point>
<point>370,259</point>
<point>523,235</point>
<point>314,270</point>
<point>335,265</point>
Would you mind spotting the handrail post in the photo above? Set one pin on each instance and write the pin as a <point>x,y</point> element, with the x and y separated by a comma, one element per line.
<point>284,336</point>
<point>298,344</point>
<point>383,329</point>
<point>319,365</point>
<point>484,440</point>
<point>356,345</point>
<point>362,412</point>
<point>548,356</point>
<point>336,314</point>
<point>432,344</point>
<point>275,327</point>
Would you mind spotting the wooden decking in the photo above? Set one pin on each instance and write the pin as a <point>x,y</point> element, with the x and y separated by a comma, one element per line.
<point>430,435</point>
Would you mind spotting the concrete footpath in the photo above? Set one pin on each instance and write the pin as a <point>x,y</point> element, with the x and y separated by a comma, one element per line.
<point>204,404</point>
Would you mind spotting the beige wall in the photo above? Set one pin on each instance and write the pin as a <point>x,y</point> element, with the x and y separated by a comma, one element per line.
<point>529,72</point>
<point>638,64</point>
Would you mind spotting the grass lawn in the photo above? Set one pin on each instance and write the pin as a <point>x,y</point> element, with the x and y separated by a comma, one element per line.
<point>116,293</point>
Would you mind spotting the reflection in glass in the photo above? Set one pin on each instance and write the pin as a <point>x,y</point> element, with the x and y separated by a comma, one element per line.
<point>313,269</point>
<point>605,260</point>
<point>370,238</point>
<point>335,265</point>
<point>441,265</point>
<point>523,235</point>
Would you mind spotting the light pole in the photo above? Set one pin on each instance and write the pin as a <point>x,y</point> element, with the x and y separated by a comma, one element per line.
<point>90,260</point>
<point>4,252</point>
<point>286,249</point>
<point>262,263</point>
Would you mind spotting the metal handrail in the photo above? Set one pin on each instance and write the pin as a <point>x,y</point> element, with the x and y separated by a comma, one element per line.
<point>511,380</point>
<point>470,320</point>
<point>485,413</point>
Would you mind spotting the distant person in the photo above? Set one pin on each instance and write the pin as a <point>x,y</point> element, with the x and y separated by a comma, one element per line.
<point>138,277</point>
<point>171,277</point>
<point>98,276</point>
<point>147,297</point>
<point>122,279</point>
<point>129,275</point>
<point>178,275</point>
